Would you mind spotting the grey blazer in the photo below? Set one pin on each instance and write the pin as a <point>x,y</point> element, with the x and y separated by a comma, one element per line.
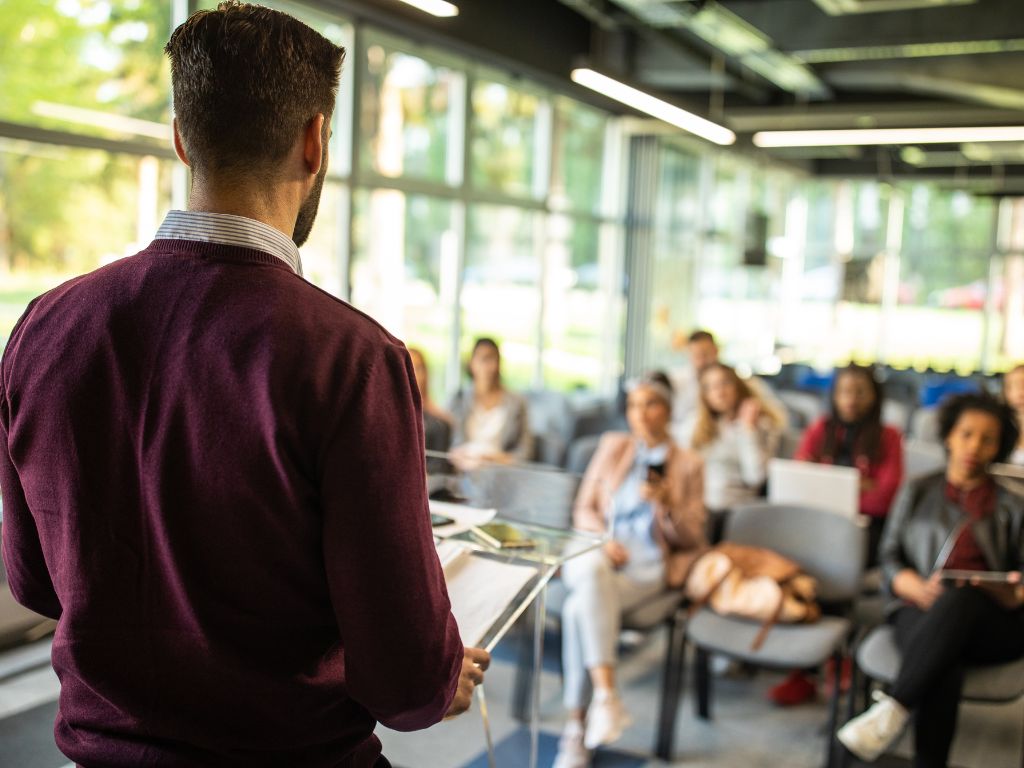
<point>515,437</point>
<point>922,523</point>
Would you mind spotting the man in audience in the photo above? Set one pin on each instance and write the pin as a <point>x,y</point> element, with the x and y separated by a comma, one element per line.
<point>213,472</point>
<point>701,352</point>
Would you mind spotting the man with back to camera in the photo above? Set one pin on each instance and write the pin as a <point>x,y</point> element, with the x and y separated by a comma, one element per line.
<point>213,472</point>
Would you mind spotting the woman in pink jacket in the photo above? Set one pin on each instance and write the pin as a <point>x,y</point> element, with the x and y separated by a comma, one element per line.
<point>647,496</point>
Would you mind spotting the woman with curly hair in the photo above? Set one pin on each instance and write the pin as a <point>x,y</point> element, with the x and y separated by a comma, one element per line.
<point>956,519</point>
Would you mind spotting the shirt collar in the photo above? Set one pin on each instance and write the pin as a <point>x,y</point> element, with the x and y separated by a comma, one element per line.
<point>227,229</point>
<point>657,454</point>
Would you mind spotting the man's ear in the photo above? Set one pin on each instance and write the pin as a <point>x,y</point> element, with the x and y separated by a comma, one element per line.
<point>313,144</point>
<point>179,148</point>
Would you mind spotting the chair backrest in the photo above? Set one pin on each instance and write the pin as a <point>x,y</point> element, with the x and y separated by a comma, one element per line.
<point>803,407</point>
<point>789,441</point>
<point>580,453</point>
<point>551,421</point>
<point>896,414</point>
<point>921,458</point>
<point>924,425</point>
<point>829,547</point>
<point>529,494</point>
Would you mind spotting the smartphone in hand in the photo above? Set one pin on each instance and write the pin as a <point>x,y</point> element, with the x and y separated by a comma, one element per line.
<point>655,472</point>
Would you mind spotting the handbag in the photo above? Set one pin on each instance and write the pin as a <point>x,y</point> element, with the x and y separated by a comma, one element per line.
<point>752,583</point>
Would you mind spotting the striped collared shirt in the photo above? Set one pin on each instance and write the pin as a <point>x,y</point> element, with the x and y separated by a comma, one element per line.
<point>226,229</point>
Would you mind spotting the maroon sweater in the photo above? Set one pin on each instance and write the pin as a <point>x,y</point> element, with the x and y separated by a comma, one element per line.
<point>213,477</point>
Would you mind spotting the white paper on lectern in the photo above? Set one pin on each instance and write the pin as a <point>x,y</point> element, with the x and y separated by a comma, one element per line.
<point>464,518</point>
<point>480,589</point>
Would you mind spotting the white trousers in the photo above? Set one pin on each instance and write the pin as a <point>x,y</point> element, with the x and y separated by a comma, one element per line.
<point>598,597</point>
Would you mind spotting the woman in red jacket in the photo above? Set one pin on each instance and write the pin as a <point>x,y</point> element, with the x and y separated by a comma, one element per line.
<point>852,435</point>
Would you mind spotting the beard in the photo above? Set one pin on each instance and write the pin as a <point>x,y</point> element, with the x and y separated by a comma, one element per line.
<point>308,209</point>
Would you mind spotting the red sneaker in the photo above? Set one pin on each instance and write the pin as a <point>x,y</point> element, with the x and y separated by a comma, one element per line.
<point>796,689</point>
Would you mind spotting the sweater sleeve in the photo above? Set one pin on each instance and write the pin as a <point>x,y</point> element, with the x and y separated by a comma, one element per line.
<point>27,574</point>
<point>588,513</point>
<point>891,556</point>
<point>685,516</point>
<point>522,448</point>
<point>810,444</point>
<point>403,654</point>
<point>755,449</point>
<point>887,476</point>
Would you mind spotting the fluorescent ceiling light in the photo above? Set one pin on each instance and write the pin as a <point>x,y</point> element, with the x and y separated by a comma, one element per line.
<point>434,7</point>
<point>653,106</point>
<point>872,136</point>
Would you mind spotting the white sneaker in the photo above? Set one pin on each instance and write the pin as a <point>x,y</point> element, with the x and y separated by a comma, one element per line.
<point>606,719</point>
<point>869,735</point>
<point>571,752</point>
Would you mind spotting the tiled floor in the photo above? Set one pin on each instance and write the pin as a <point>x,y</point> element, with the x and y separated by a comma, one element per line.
<point>746,730</point>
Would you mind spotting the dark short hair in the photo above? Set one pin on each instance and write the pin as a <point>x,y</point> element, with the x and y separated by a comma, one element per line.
<point>246,80</point>
<point>700,335</point>
<point>956,406</point>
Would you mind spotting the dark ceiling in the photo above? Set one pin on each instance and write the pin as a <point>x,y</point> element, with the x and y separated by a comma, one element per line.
<point>785,65</point>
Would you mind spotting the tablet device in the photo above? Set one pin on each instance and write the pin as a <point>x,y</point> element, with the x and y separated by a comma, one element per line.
<point>953,575</point>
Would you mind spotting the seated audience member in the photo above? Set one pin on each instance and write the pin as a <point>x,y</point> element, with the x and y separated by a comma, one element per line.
<point>491,423</point>
<point>852,435</point>
<point>736,434</point>
<point>1013,391</point>
<point>955,519</point>
<point>647,494</point>
<point>702,352</point>
<point>437,423</point>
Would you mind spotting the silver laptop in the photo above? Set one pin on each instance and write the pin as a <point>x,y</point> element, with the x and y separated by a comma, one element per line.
<point>818,486</point>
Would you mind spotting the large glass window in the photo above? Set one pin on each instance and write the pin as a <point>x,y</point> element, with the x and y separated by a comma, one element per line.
<point>501,281</point>
<point>943,278</point>
<point>404,270</point>
<point>507,130</point>
<point>47,192</point>
<point>577,157</point>
<point>675,232</point>
<point>583,304</point>
<point>87,67</point>
<point>410,115</point>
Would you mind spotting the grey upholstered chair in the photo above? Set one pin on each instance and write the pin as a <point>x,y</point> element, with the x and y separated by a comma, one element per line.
<point>530,494</point>
<point>830,548</point>
<point>878,659</point>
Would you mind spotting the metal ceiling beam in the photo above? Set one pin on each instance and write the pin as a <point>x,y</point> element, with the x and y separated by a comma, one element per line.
<point>688,58</point>
<point>797,25</point>
<point>875,80</point>
<point>867,115</point>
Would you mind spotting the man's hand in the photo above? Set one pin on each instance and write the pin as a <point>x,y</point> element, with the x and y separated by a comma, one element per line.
<point>474,662</point>
<point>912,588</point>
<point>617,553</point>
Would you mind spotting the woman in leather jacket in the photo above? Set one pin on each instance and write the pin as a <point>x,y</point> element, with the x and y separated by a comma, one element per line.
<point>957,519</point>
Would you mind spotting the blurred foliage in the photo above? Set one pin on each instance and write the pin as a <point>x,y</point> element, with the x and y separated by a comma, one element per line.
<point>100,55</point>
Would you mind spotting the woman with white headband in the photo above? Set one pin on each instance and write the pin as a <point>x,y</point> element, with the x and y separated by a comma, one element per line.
<point>647,495</point>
